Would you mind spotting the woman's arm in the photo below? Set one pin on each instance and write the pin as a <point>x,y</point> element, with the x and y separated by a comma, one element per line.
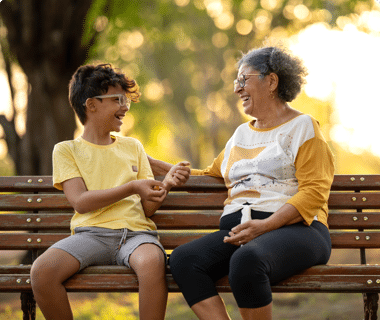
<point>249,230</point>
<point>159,168</point>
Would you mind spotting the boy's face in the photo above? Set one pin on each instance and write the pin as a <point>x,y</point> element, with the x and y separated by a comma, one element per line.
<point>109,112</point>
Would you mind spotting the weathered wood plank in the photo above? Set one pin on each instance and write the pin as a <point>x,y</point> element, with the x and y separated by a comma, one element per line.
<point>172,220</point>
<point>171,240</point>
<point>44,183</point>
<point>178,201</point>
<point>117,282</point>
<point>354,220</point>
<point>355,200</point>
<point>369,270</point>
<point>26,202</point>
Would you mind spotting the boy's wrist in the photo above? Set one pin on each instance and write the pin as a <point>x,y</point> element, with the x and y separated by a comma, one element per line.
<point>168,186</point>
<point>132,185</point>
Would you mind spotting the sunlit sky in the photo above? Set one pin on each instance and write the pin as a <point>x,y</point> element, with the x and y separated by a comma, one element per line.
<point>344,68</point>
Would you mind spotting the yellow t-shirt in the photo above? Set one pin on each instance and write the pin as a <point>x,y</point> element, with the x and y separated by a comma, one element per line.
<point>266,168</point>
<point>105,167</point>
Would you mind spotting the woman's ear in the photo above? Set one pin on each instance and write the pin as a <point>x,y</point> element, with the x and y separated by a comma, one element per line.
<point>273,81</point>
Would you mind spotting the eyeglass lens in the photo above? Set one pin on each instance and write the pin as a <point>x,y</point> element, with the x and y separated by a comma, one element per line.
<point>240,81</point>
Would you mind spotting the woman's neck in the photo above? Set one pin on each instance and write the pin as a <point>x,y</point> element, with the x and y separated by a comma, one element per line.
<point>280,114</point>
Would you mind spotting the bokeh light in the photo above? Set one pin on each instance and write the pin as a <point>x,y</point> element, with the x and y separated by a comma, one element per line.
<point>346,75</point>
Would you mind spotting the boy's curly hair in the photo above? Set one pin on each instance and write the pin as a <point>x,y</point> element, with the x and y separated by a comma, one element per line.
<point>94,80</point>
<point>289,69</point>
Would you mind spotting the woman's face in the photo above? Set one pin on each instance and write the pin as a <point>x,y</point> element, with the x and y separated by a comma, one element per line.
<point>253,92</point>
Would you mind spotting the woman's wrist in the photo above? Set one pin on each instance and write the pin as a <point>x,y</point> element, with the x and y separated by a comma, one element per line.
<point>159,168</point>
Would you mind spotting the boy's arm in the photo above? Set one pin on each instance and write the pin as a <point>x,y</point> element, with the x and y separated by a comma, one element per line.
<point>176,176</point>
<point>84,200</point>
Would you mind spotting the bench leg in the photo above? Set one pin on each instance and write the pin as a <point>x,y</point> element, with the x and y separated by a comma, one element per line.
<point>370,305</point>
<point>28,305</point>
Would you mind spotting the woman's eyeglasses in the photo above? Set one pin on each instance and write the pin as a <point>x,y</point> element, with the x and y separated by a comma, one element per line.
<point>241,81</point>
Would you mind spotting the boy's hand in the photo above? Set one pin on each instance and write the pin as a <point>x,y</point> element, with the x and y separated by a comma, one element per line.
<point>177,175</point>
<point>150,190</point>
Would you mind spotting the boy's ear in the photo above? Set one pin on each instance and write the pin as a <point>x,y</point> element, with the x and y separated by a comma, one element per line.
<point>90,105</point>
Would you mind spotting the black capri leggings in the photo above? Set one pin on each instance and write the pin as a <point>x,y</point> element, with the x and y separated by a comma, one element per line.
<point>251,268</point>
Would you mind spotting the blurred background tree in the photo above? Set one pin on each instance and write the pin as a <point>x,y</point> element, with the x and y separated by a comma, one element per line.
<point>183,54</point>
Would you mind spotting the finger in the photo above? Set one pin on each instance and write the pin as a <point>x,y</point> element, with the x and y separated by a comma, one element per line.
<point>184,163</point>
<point>179,177</point>
<point>183,172</point>
<point>230,241</point>
<point>240,227</point>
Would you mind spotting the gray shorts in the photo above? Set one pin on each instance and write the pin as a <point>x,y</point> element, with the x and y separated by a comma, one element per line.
<point>101,246</point>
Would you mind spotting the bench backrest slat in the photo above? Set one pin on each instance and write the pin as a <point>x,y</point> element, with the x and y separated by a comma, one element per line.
<point>170,240</point>
<point>176,220</point>
<point>176,201</point>
<point>44,183</point>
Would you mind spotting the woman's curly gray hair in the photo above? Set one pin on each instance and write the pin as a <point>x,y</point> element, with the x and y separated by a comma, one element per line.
<point>289,69</point>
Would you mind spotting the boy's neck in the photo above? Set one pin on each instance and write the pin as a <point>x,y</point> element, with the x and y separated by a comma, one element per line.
<point>97,137</point>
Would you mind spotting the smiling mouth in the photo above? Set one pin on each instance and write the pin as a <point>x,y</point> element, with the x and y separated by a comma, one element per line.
<point>246,98</point>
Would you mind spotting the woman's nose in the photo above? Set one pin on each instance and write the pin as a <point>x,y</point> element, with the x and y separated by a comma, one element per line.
<point>237,88</point>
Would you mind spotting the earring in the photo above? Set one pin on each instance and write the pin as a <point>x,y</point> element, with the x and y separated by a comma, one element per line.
<point>272,95</point>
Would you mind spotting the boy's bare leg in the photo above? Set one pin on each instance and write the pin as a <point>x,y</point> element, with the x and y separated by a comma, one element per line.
<point>48,273</point>
<point>148,261</point>
<point>211,308</point>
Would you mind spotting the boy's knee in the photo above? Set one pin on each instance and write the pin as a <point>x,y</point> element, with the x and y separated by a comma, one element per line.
<point>41,274</point>
<point>150,257</point>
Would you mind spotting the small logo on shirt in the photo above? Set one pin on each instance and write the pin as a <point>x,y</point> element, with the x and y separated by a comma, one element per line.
<point>134,169</point>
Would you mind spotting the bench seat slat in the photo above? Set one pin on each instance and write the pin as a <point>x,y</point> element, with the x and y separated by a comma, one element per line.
<point>369,270</point>
<point>128,282</point>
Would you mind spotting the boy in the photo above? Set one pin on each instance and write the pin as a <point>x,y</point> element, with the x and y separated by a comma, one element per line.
<point>109,183</point>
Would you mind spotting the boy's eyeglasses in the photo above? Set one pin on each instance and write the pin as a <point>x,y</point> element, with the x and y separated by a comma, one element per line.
<point>123,99</point>
<point>241,81</point>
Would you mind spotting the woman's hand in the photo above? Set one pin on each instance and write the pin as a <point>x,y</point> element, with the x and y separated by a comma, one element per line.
<point>177,175</point>
<point>243,233</point>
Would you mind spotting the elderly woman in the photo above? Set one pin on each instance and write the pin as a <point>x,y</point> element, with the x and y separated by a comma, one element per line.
<point>278,170</point>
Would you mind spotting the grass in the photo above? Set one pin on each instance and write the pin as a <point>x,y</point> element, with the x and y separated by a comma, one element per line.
<point>115,306</point>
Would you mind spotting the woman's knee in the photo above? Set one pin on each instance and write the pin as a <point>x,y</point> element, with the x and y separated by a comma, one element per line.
<point>182,256</point>
<point>246,263</point>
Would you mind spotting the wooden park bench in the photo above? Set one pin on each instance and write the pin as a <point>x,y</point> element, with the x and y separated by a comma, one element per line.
<point>33,216</point>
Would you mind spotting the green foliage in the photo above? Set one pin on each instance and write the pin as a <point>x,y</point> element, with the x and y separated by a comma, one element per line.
<point>183,54</point>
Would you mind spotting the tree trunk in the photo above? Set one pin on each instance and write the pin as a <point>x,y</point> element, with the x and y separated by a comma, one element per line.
<point>45,39</point>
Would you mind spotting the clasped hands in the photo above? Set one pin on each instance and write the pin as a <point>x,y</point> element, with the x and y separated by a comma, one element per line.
<point>243,233</point>
<point>154,190</point>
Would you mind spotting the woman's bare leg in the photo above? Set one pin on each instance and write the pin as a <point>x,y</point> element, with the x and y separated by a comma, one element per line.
<point>48,273</point>
<point>148,261</point>
<point>263,313</point>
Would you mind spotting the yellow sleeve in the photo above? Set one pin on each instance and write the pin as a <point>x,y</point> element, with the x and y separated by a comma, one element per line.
<point>315,173</point>
<point>64,165</point>
<point>145,171</point>
<point>213,170</point>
